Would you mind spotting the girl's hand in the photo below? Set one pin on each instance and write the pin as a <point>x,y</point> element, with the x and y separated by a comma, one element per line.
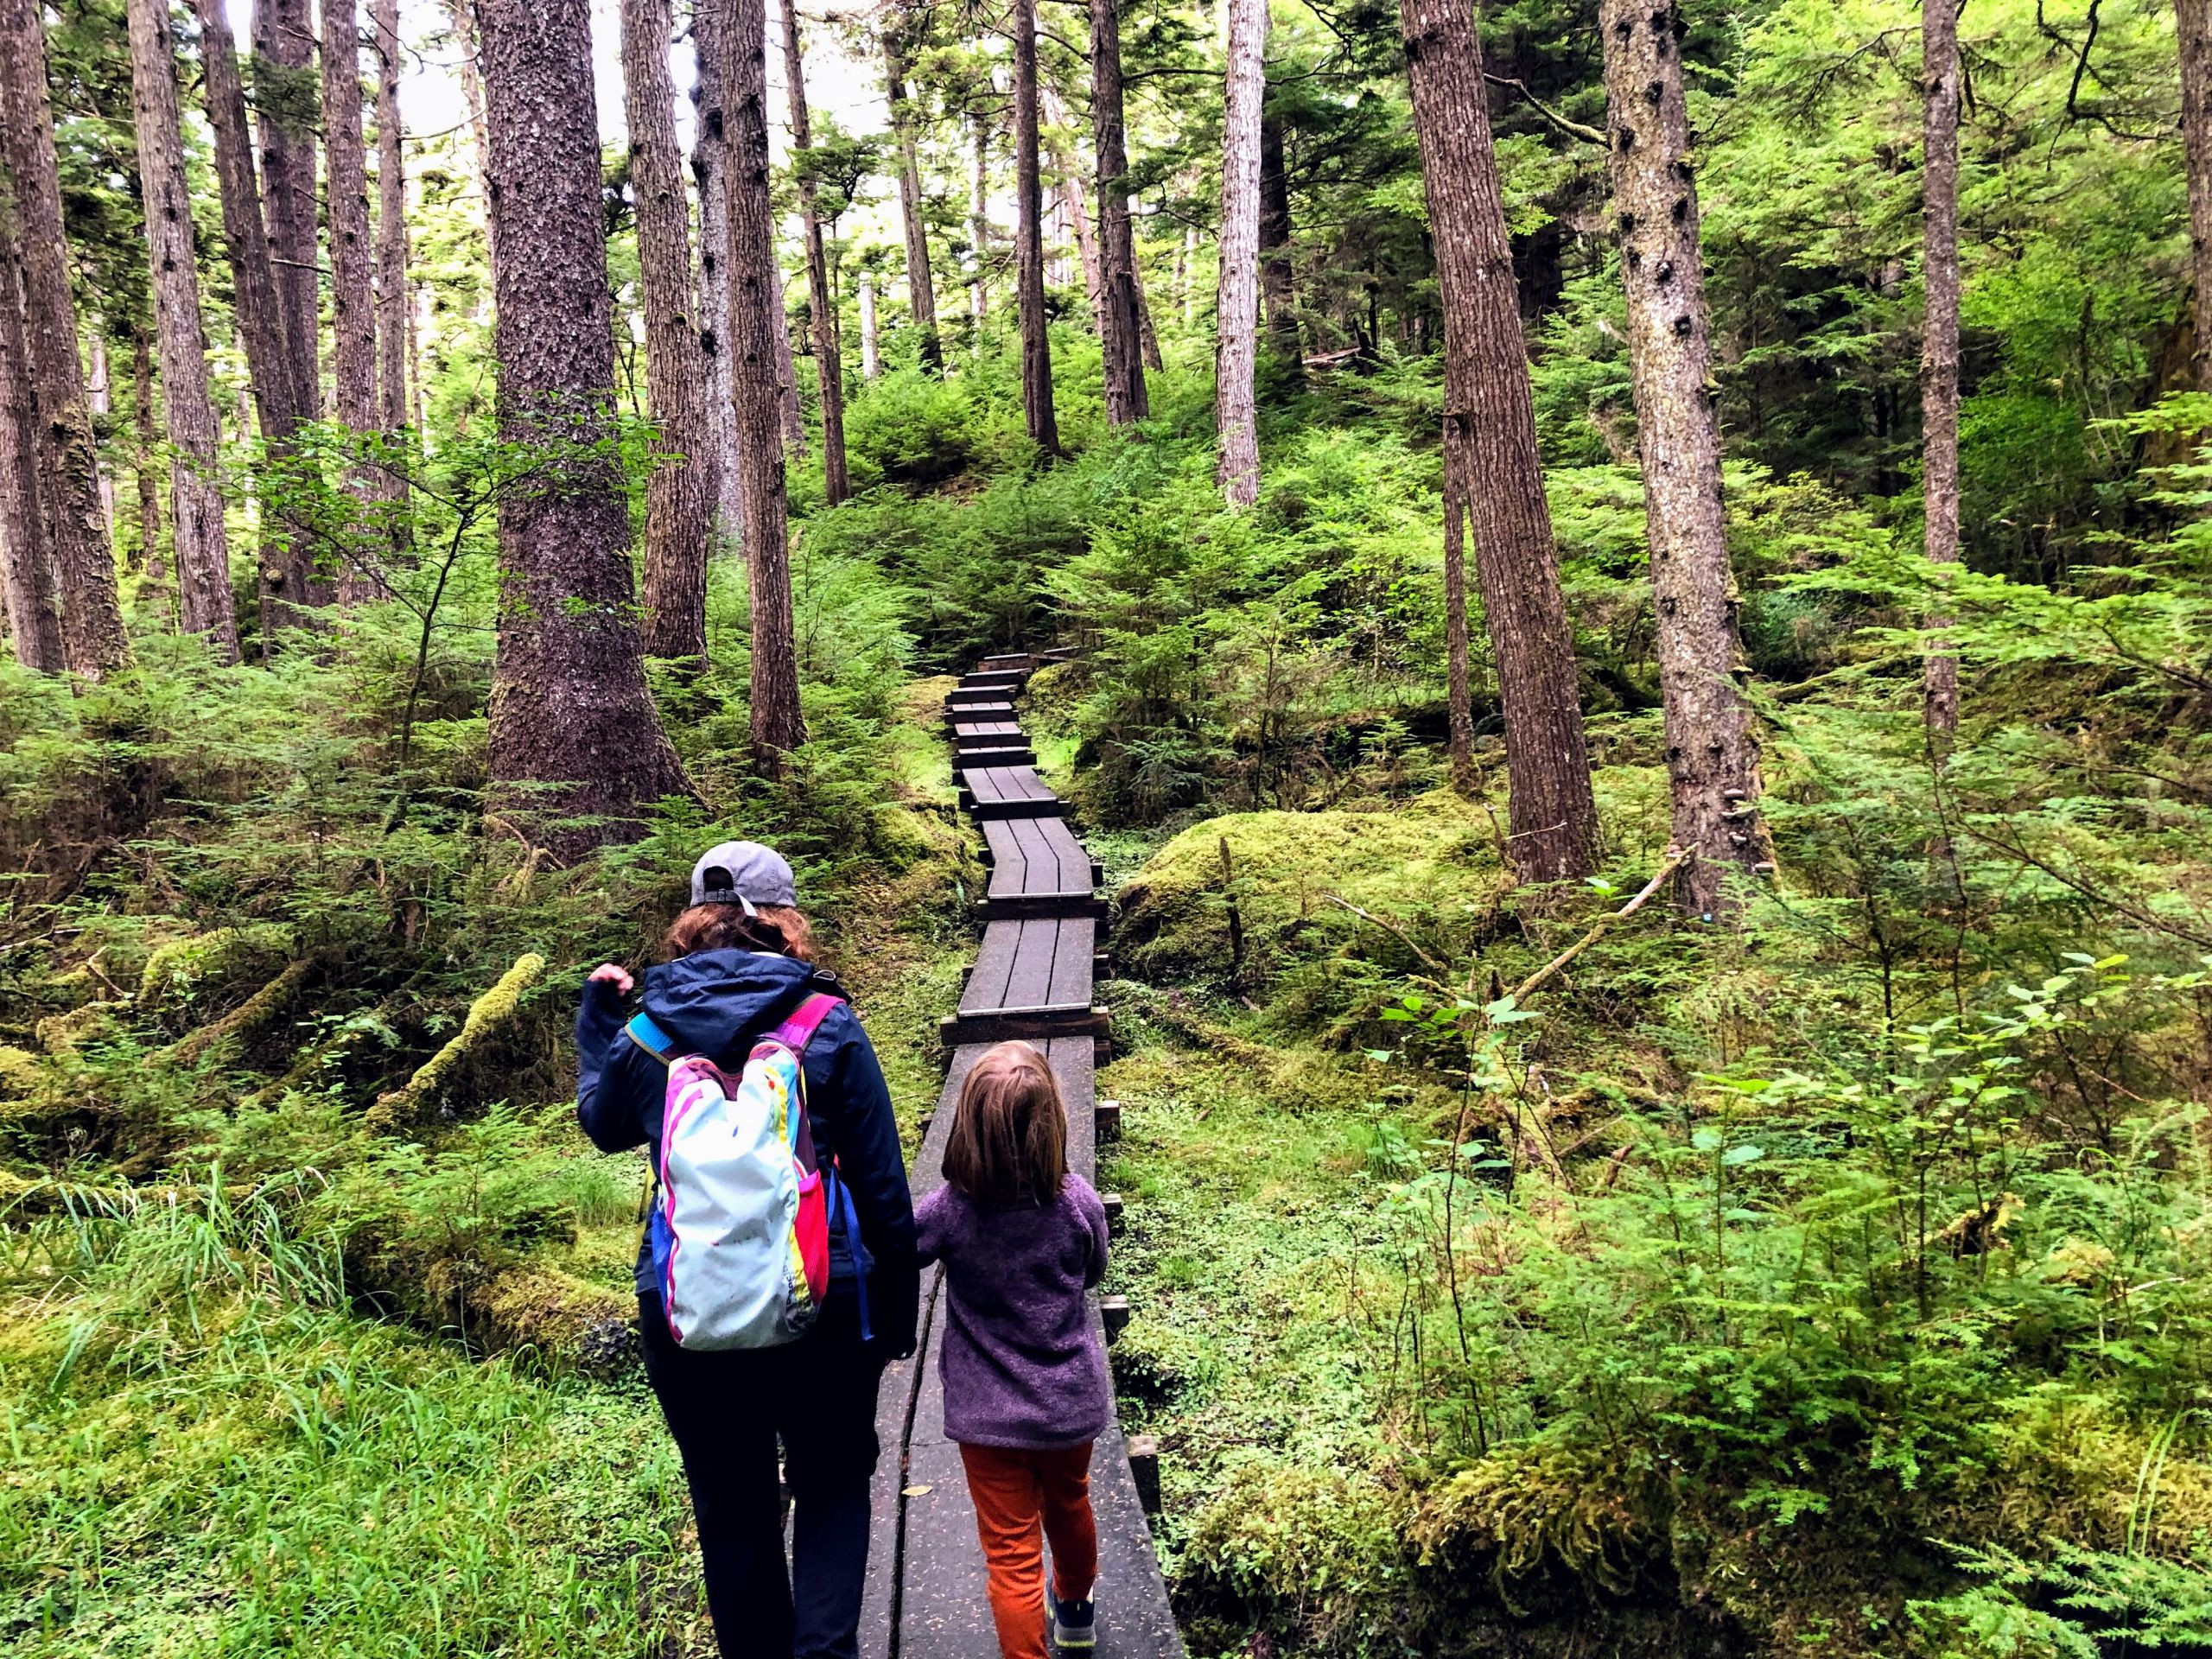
<point>612,973</point>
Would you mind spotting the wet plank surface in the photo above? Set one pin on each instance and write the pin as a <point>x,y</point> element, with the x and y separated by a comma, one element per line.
<point>1033,975</point>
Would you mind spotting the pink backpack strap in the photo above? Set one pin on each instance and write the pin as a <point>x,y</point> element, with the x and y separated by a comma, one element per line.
<point>799,1029</point>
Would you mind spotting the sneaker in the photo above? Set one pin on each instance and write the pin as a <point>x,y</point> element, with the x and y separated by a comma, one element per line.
<point>1075,1624</point>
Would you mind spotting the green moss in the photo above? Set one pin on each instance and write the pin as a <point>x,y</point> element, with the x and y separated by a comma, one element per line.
<point>19,1072</point>
<point>489,1012</point>
<point>205,965</point>
<point>1434,857</point>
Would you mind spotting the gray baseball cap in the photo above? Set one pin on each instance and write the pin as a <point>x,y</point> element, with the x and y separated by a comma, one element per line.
<point>743,873</point>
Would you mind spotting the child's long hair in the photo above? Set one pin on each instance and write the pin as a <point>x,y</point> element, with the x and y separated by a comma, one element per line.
<point>1009,1141</point>
<point>774,928</point>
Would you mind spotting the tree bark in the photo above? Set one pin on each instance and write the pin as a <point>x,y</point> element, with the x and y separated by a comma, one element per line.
<point>286,560</point>
<point>1712,757</point>
<point>756,324</point>
<point>1458,697</point>
<point>921,289</point>
<point>680,496</point>
<point>1086,244</point>
<point>149,488</point>
<point>1120,331</point>
<point>92,636</point>
<point>574,733</point>
<point>1147,337</point>
<point>392,287</point>
<point>787,380</point>
<point>1237,307</point>
<point>353,282</point>
<point>27,558</point>
<point>203,557</point>
<point>822,303</point>
<point>710,172</point>
<point>871,361</point>
<point>286,97</point>
<point>1278,285</point>
<point>2193,25</point>
<point>1939,345</point>
<point>1029,239</point>
<point>1488,408</point>
<point>979,223</point>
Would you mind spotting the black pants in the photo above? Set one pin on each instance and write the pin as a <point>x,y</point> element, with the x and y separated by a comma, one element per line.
<point>727,1412</point>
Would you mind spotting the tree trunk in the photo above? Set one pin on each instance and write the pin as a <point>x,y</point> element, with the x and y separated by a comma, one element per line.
<point>1939,345</point>
<point>1147,337</point>
<point>822,303</point>
<point>871,362</point>
<point>574,733</point>
<point>471,98</point>
<point>710,172</point>
<point>1029,237</point>
<point>680,496</point>
<point>25,555</point>
<point>1488,408</point>
<point>1186,290</point>
<point>392,287</point>
<point>787,379</point>
<point>2193,24</point>
<point>1278,288</point>
<point>921,289</point>
<point>150,487</point>
<point>286,97</point>
<point>1120,330</point>
<point>92,637</point>
<point>353,282</point>
<point>979,223</point>
<point>286,560</point>
<point>1713,758</point>
<point>1459,697</point>
<point>1086,244</point>
<point>756,324</point>
<point>1237,307</point>
<point>203,556</point>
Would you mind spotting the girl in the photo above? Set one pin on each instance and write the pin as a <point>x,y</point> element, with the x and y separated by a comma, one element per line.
<point>1025,1385</point>
<point>739,963</point>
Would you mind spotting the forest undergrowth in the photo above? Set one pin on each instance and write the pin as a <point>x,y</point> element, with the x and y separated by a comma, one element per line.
<point>1830,1282</point>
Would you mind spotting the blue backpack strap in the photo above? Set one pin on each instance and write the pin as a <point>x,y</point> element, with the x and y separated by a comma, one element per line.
<point>646,1035</point>
<point>861,1260</point>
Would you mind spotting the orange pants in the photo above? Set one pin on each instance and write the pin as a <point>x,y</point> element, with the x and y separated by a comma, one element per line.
<point>1015,1492</point>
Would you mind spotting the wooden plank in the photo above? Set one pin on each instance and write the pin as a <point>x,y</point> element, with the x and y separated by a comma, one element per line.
<point>1004,678</point>
<point>1023,756</point>
<point>996,708</point>
<point>1076,940</point>
<point>970,733</point>
<point>987,980</point>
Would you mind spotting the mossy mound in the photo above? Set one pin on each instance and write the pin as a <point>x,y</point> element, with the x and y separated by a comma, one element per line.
<point>214,969</point>
<point>1422,862</point>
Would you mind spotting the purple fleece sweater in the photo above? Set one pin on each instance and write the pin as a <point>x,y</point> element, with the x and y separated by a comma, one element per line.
<point>1021,1367</point>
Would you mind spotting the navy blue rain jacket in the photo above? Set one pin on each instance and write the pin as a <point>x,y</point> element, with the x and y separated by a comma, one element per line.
<point>718,1003</point>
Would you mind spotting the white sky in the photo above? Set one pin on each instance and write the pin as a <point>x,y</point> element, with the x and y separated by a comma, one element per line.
<point>430,97</point>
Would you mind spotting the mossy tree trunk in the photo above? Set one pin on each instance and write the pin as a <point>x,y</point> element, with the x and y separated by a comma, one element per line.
<point>576,745</point>
<point>1029,237</point>
<point>34,625</point>
<point>1236,305</point>
<point>679,497</point>
<point>710,174</point>
<point>92,637</point>
<point>1489,409</point>
<point>203,548</point>
<point>1120,331</point>
<point>1939,339</point>
<point>921,287</point>
<point>756,327</point>
<point>289,104</point>
<point>352,274</point>
<point>822,300</point>
<point>1712,757</point>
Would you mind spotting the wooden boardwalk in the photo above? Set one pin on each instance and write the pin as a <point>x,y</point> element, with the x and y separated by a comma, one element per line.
<point>1035,978</point>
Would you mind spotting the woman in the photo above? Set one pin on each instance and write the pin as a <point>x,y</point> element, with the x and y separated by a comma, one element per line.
<point>739,963</point>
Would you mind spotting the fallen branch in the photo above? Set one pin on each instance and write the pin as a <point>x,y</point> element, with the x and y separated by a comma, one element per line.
<point>1676,857</point>
<point>1390,927</point>
<point>404,1105</point>
<point>246,1020</point>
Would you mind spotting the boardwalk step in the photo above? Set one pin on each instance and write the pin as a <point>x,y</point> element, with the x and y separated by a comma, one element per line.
<point>1034,977</point>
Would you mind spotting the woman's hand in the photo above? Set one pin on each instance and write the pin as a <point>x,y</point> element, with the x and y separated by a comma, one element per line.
<point>612,973</point>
